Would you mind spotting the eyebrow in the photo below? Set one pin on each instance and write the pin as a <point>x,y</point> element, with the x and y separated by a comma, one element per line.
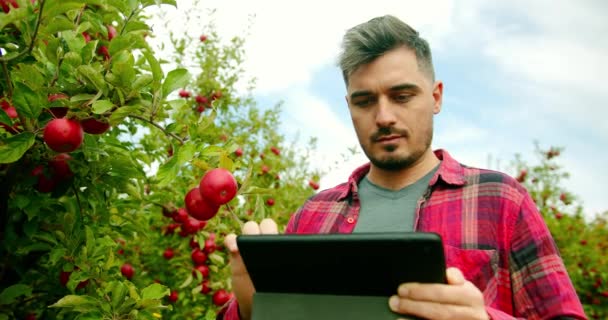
<point>399,87</point>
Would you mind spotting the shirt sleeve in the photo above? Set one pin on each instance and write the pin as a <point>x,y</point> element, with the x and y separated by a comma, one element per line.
<point>540,283</point>
<point>232,311</point>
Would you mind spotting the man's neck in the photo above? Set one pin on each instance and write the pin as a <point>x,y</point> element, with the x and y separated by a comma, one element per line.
<point>397,180</point>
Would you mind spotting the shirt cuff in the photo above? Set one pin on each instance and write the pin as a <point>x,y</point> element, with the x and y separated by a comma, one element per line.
<point>232,311</point>
<point>496,314</point>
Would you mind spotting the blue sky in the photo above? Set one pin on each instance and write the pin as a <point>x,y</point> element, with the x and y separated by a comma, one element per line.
<point>514,72</point>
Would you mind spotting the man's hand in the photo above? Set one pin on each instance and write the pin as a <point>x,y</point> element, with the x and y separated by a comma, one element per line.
<point>459,299</point>
<point>241,283</point>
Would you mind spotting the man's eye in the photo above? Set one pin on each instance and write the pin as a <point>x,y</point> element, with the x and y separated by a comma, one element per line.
<point>362,102</point>
<point>402,98</point>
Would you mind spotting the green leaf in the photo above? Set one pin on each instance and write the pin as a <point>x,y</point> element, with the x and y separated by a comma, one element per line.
<point>216,258</point>
<point>102,106</point>
<point>176,79</point>
<point>186,152</point>
<point>226,162</point>
<point>119,292</point>
<point>9,294</point>
<point>121,113</point>
<point>56,254</point>
<point>58,24</point>
<point>187,282</point>
<point>90,239</point>
<point>27,102</point>
<point>12,16</point>
<point>4,118</point>
<point>3,316</point>
<point>142,81</point>
<point>13,148</point>
<point>82,97</point>
<point>33,247</point>
<point>56,8</point>
<point>167,172</point>
<point>157,71</point>
<point>154,291</point>
<point>93,76</point>
<point>77,303</point>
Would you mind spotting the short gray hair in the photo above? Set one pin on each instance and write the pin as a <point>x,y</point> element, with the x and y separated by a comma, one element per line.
<point>364,43</point>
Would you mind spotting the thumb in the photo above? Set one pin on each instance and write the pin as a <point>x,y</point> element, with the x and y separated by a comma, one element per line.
<point>455,276</point>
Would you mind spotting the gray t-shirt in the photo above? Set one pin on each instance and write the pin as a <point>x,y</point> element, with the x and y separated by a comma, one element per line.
<point>384,210</point>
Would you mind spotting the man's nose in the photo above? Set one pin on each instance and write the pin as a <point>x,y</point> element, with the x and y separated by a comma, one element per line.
<point>385,116</point>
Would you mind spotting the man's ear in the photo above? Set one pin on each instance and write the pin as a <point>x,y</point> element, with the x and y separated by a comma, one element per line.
<point>437,96</point>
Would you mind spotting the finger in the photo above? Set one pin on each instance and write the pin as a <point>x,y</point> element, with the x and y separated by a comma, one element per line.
<point>433,310</point>
<point>440,293</point>
<point>251,227</point>
<point>268,226</point>
<point>230,243</point>
<point>455,276</point>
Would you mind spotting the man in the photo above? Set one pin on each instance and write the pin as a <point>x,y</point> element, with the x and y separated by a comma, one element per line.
<point>502,261</point>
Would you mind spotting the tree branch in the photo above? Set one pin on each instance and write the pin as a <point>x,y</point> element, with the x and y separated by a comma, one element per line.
<point>169,134</point>
<point>31,46</point>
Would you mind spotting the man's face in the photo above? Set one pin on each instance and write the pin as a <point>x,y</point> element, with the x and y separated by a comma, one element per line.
<point>392,104</point>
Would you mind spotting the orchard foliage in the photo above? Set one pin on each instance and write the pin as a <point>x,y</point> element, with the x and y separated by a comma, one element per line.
<point>101,138</point>
<point>583,242</point>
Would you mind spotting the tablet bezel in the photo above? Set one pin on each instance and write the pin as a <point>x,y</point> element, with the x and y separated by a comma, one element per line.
<point>360,264</point>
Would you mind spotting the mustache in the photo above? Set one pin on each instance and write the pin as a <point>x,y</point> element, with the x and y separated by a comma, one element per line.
<point>388,131</point>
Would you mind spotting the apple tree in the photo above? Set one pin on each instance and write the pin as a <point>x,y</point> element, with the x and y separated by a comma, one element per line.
<point>582,241</point>
<point>104,144</point>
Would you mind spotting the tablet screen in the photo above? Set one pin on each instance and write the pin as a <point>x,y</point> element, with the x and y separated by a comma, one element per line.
<point>369,264</point>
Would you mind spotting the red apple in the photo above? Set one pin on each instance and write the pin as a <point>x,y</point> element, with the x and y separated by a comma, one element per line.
<point>238,152</point>
<point>57,96</point>
<point>5,5</point>
<point>111,32</point>
<point>270,202</point>
<point>10,110</point>
<point>44,183</point>
<point>184,94</point>
<point>58,112</point>
<point>218,186</point>
<point>198,257</point>
<point>63,135</point>
<point>275,150</point>
<point>87,37</point>
<point>121,251</point>
<point>127,271</point>
<point>203,38</point>
<point>168,254</point>
<point>265,169</point>
<point>216,95</point>
<point>59,167</point>
<point>201,99</point>
<point>203,269</point>
<point>210,246</point>
<point>64,277</point>
<point>171,228</point>
<point>168,212</point>
<point>173,296</point>
<point>181,216</point>
<point>94,126</point>
<point>198,206</point>
<point>314,185</point>
<point>30,316</point>
<point>192,226</point>
<point>205,287</point>
<point>200,108</point>
<point>221,297</point>
<point>103,50</point>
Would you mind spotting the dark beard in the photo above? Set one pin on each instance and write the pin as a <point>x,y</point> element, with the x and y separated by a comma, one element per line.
<point>395,163</point>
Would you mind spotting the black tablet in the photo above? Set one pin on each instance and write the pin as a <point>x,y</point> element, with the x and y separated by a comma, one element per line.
<point>365,264</point>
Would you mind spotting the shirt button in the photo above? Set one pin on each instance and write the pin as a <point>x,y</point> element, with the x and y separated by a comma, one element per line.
<point>350,219</point>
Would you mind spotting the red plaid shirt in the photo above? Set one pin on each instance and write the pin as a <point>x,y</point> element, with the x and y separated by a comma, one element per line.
<point>491,229</point>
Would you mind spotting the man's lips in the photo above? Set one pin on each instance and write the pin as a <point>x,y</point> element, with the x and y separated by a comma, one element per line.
<point>390,138</point>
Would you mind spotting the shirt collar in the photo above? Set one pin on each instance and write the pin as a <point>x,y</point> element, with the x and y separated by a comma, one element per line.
<point>450,172</point>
